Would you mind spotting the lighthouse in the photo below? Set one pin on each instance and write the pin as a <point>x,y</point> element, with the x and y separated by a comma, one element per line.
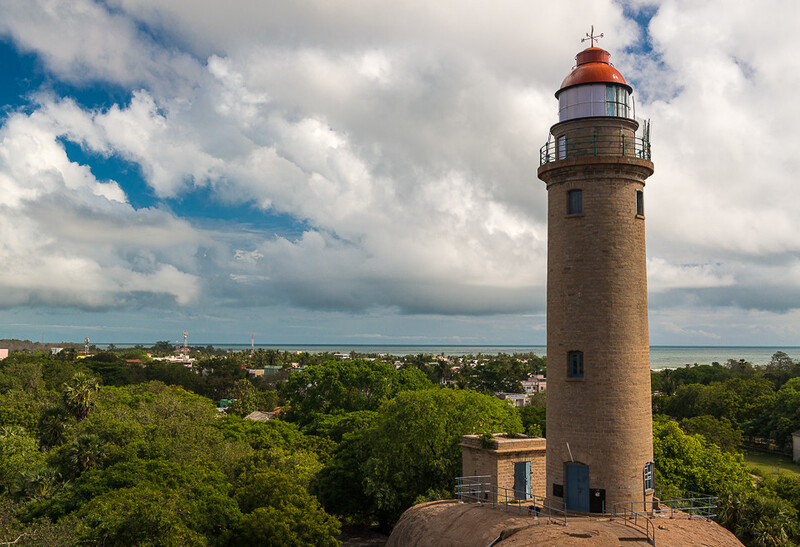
<point>599,417</point>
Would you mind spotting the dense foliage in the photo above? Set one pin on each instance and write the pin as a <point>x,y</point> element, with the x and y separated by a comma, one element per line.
<point>409,450</point>
<point>147,464</point>
<point>709,413</point>
<point>122,448</point>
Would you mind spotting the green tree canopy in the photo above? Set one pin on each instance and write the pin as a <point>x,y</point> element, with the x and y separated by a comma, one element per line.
<point>412,448</point>
<point>347,386</point>
<point>690,463</point>
<point>719,432</point>
<point>19,452</point>
<point>784,416</point>
<point>757,517</point>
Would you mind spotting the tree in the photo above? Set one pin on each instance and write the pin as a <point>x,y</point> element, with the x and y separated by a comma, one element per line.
<point>719,432</point>
<point>39,484</point>
<point>501,373</point>
<point>689,462</point>
<point>19,453</point>
<point>412,448</point>
<point>248,399</point>
<point>533,420</point>
<point>740,367</point>
<point>84,453</point>
<point>336,426</point>
<point>220,374</point>
<point>163,347</point>
<point>141,515</point>
<point>272,492</point>
<point>346,386</point>
<point>757,517</point>
<point>785,414</point>
<point>780,362</point>
<point>78,394</point>
<point>41,532</point>
<point>296,524</point>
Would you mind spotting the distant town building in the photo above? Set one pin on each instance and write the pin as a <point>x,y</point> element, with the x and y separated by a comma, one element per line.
<point>260,416</point>
<point>534,384</point>
<point>3,353</point>
<point>514,399</point>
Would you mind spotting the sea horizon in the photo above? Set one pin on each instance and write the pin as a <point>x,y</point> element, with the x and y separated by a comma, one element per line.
<point>661,356</point>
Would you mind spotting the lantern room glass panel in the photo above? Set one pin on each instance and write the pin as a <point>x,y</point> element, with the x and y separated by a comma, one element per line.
<point>593,100</point>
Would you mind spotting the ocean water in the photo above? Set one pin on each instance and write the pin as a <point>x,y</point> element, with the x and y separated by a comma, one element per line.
<point>678,356</point>
<point>660,356</point>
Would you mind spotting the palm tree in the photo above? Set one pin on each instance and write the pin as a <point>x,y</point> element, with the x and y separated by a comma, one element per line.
<point>39,484</point>
<point>85,452</point>
<point>78,394</point>
<point>52,425</point>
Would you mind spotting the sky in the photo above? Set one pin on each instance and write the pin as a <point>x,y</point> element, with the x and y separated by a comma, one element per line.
<point>364,172</point>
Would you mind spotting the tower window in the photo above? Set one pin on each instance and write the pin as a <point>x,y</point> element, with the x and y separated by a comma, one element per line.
<point>639,203</point>
<point>647,475</point>
<point>574,202</point>
<point>575,364</point>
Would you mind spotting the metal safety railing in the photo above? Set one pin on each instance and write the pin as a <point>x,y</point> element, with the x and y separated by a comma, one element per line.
<point>692,503</point>
<point>666,501</point>
<point>482,489</point>
<point>595,145</point>
<point>639,520</point>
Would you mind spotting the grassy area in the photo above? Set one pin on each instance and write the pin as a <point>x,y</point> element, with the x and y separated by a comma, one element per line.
<point>769,464</point>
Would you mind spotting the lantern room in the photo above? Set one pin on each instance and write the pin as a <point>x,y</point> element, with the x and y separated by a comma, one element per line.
<point>594,88</point>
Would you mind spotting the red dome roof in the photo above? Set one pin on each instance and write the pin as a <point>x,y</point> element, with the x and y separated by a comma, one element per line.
<point>593,67</point>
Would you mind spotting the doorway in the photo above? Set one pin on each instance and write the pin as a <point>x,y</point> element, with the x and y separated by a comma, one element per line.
<point>522,480</point>
<point>577,487</point>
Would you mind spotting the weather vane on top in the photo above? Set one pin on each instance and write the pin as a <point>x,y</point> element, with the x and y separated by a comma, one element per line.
<point>590,36</point>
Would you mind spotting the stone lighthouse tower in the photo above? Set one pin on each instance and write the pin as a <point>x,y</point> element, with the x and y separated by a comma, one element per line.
<point>599,421</point>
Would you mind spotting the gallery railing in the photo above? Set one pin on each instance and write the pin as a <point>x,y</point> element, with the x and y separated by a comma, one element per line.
<point>595,145</point>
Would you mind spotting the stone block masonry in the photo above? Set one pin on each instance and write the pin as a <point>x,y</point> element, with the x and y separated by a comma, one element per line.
<point>498,462</point>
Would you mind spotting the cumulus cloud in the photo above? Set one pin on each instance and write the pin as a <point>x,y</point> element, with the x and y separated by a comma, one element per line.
<point>71,240</point>
<point>82,40</point>
<point>403,138</point>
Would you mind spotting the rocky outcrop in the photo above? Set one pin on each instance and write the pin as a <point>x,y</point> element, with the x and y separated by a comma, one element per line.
<point>453,523</point>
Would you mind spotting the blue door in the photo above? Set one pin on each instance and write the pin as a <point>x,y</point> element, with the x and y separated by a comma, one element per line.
<point>577,487</point>
<point>522,480</point>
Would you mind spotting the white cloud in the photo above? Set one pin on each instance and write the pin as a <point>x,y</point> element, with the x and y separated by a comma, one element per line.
<point>404,138</point>
<point>71,240</point>
<point>81,40</point>
<point>663,276</point>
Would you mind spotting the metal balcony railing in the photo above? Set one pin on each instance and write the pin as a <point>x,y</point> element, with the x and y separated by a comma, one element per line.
<point>595,145</point>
